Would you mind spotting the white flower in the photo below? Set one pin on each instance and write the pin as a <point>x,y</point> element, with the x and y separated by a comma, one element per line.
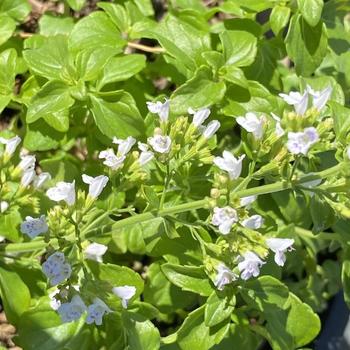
<point>34,226</point>
<point>224,276</point>
<point>160,144</point>
<point>73,310</point>
<point>230,164</point>
<point>279,130</point>
<point>199,116</point>
<point>162,109</point>
<point>2,238</point>
<point>299,101</point>
<point>145,157</point>
<point>27,162</point>
<point>96,184</point>
<point>124,146</point>
<point>96,312</point>
<point>250,266</point>
<point>251,123</point>
<point>320,98</point>
<point>211,129</point>
<point>224,218</point>
<point>56,268</point>
<point>11,144</point>
<point>63,191</point>
<point>3,206</point>
<point>111,160</point>
<point>254,222</point>
<point>247,201</point>
<point>41,179</point>
<point>125,293</point>
<point>54,303</point>
<point>300,142</point>
<point>279,246</point>
<point>28,177</point>
<point>95,251</point>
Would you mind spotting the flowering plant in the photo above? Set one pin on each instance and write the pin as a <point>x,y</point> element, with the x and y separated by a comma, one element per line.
<point>188,216</point>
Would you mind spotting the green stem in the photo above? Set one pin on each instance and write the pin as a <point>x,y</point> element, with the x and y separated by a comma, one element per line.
<point>322,235</point>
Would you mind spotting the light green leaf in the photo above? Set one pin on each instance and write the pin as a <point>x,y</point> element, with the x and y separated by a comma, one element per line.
<point>51,101</point>
<point>117,115</point>
<point>15,294</point>
<point>189,278</point>
<point>121,68</point>
<point>200,91</point>
<point>52,25</point>
<point>239,47</point>
<point>4,101</point>
<point>7,27</point>
<point>141,333</point>
<point>118,14</point>
<point>8,60</point>
<point>234,75</point>
<point>341,121</point>
<point>96,30</point>
<point>217,309</point>
<point>279,18</point>
<point>76,5</point>
<point>17,9</point>
<point>311,10</point>
<point>306,45</point>
<point>345,276</point>
<point>51,59</point>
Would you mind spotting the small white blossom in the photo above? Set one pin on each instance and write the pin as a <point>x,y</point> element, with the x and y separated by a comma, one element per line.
<point>34,226</point>
<point>56,268</point>
<point>160,144</point>
<point>230,164</point>
<point>250,266</point>
<point>320,98</point>
<point>96,184</point>
<point>124,146</point>
<point>63,191</point>
<point>96,311</point>
<point>251,123</point>
<point>111,160</point>
<point>211,129</point>
<point>300,142</point>
<point>95,251</point>
<point>279,130</point>
<point>28,177</point>
<point>54,303</point>
<point>125,293</point>
<point>254,222</point>
<point>2,238</point>
<point>247,201</point>
<point>279,246</point>
<point>224,218</point>
<point>27,162</point>
<point>298,100</point>
<point>162,109</point>
<point>11,144</point>
<point>224,276</point>
<point>73,310</point>
<point>3,206</point>
<point>145,155</point>
<point>199,116</point>
<point>41,179</point>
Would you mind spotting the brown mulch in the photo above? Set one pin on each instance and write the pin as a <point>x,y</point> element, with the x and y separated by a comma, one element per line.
<point>7,332</point>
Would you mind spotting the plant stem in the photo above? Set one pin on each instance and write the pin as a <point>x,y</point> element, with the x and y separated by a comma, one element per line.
<point>322,235</point>
<point>146,48</point>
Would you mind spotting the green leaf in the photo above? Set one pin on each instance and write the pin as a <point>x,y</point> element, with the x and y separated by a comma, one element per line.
<point>9,225</point>
<point>17,9</point>
<point>41,328</point>
<point>51,102</point>
<point>322,214</point>
<point>234,75</point>
<point>194,334</point>
<point>189,278</point>
<point>51,59</point>
<point>341,121</point>
<point>345,277</point>
<point>4,101</point>
<point>121,68</point>
<point>76,5</point>
<point>118,14</point>
<point>141,333</point>
<point>217,309</point>
<point>7,27</point>
<point>15,294</point>
<point>239,47</point>
<point>96,30</point>
<point>306,45</point>
<point>311,10</point>
<point>117,115</point>
<point>52,25</point>
<point>8,60</point>
<point>279,18</point>
<point>200,91</point>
